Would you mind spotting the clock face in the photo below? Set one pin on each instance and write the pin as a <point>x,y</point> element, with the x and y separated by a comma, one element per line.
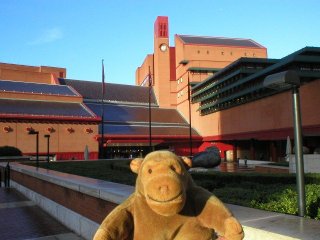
<point>163,47</point>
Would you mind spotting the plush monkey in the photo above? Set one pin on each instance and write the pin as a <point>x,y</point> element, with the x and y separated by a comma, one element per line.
<point>168,205</point>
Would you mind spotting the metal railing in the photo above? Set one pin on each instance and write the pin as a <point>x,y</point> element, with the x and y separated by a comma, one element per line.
<point>5,176</point>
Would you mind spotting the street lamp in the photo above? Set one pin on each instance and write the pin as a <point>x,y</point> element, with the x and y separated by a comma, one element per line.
<point>33,132</point>
<point>150,115</point>
<point>189,106</point>
<point>47,136</point>
<point>285,80</point>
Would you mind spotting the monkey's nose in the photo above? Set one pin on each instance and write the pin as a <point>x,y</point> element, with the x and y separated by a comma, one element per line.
<point>164,189</point>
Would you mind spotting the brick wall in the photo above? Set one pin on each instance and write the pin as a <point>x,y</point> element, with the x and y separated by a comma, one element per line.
<point>90,207</point>
<point>269,169</point>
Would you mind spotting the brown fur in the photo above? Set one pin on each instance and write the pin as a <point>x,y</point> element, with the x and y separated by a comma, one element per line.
<point>168,205</point>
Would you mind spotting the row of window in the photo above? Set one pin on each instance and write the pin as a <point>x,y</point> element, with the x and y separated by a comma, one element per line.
<point>180,80</point>
<point>309,67</point>
<point>259,93</point>
<point>181,93</point>
<point>234,86</point>
<point>250,66</point>
<point>214,90</point>
<point>245,54</point>
<point>247,86</point>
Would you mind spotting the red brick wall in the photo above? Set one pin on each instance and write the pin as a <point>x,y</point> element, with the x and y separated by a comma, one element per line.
<point>262,169</point>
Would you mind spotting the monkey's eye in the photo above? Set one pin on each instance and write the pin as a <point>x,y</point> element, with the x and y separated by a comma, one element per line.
<point>173,168</point>
<point>150,170</point>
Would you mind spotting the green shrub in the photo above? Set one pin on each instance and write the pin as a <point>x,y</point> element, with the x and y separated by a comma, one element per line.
<point>313,201</point>
<point>283,201</point>
<point>276,198</point>
<point>261,178</point>
<point>110,170</point>
<point>6,151</point>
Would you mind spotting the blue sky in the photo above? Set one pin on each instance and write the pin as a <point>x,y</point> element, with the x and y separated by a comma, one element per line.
<point>77,34</point>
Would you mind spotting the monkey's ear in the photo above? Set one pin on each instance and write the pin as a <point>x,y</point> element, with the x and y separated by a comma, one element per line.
<point>135,164</point>
<point>187,162</point>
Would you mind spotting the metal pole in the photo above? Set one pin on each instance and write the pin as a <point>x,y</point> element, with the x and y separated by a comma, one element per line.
<point>102,113</point>
<point>102,133</point>
<point>150,132</point>
<point>190,128</point>
<point>37,149</point>
<point>298,151</point>
<point>48,145</point>
<point>8,175</point>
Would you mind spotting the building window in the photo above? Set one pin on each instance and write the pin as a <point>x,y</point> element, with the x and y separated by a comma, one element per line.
<point>222,53</point>
<point>208,52</point>
<point>198,51</point>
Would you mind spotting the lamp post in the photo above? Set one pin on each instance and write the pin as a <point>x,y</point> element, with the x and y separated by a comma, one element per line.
<point>284,80</point>
<point>47,136</point>
<point>150,115</point>
<point>33,132</point>
<point>190,124</point>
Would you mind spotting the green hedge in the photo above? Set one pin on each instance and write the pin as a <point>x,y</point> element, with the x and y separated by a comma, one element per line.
<point>110,170</point>
<point>221,178</point>
<point>285,201</point>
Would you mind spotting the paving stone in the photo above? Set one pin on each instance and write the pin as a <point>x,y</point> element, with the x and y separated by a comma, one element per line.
<point>21,219</point>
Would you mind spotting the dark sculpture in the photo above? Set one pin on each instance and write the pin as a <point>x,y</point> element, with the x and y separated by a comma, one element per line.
<point>209,158</point>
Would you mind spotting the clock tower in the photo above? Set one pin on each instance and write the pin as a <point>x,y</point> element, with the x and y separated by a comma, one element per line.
<point>161,74</point>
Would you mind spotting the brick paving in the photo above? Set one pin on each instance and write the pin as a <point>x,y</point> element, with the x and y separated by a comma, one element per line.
<point>21,219</point>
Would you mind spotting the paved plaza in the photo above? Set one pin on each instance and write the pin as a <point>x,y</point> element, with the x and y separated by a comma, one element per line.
<point>21,219</point>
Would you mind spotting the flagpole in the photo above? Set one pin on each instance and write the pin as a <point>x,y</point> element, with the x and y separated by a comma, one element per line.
<point>190,129</point>
<point>102,114</point>
<point>150,88</point>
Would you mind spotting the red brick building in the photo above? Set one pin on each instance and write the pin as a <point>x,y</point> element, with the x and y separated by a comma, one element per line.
<point>31,99</point>
<point>230,108</point>
<point>222,78</point>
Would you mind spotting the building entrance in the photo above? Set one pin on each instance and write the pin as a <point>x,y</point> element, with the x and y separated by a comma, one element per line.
<point>125,151</point>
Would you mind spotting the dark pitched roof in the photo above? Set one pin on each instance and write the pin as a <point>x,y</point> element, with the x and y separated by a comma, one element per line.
<point>221,41</point>
<point>127,113</point>
<point>37,88</point>
<point>113,92</point>
<point>43,109</point>
<point>143,130</point>
<point>124,113</point>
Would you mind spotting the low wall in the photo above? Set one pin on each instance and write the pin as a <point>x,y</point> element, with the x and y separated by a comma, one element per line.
<point>79,203</point>
<point>271,169</point>
<point>71,219</point>
<point>82,203</point>
<point>311,163</point>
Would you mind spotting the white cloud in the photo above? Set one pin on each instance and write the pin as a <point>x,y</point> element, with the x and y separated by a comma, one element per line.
<point>49,35</point>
